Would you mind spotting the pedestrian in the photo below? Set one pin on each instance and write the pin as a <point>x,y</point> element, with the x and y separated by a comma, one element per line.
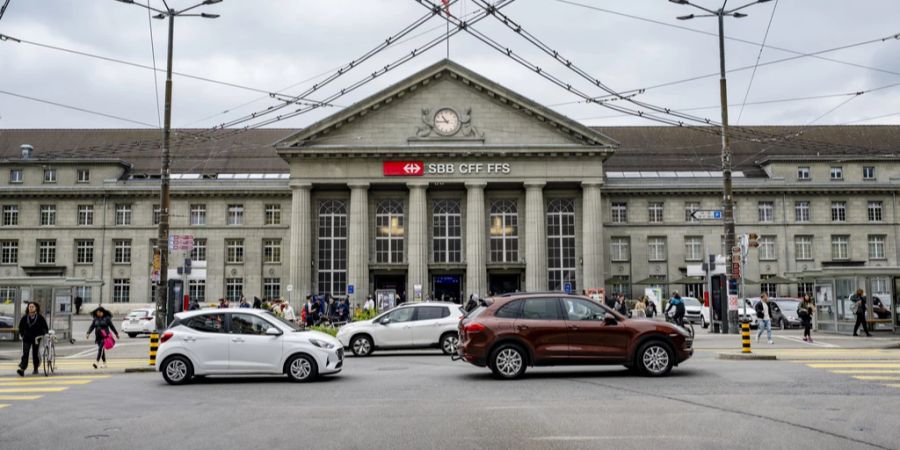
<point>257,302</point>
<point>651,307</point>
<point>764,316</point>
<point>622,307</point>
<point>640,308</point>
<point>32,326</point>
<point>194,305</point>
<point>289,313</point>
<point>310,311</point>
<point>805,312</point>
<point>78,302</point>
<point>223,303</point>
<point>677,303</point>
<point>859,308</point>
<point>102,326</point>
<point>370,304</point>
<point>244,303</point>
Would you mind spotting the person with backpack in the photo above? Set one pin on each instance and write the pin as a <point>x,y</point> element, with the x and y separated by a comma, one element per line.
<point>31,327</point>
<point>805,312</point>
<point>764,314</point>
<point>677,303</point>
<point>859,308</point>
<point>103,329</point>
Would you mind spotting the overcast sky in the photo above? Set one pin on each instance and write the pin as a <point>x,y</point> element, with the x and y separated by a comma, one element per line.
<point>287,45</point>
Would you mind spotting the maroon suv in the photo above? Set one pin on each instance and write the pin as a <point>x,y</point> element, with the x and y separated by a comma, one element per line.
<point>508,333</point>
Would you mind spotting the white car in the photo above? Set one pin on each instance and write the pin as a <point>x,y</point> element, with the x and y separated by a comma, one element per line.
<point>139,321</point>
<point>414,325</point>
<point>236,341</point>
<point>745,311</point>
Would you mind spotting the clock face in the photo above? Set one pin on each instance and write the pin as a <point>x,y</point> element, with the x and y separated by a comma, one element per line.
<point>446,121</point>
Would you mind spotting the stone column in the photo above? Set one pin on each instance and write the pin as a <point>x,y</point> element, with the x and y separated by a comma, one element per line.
<point>301,242</point>
<point>358,242</point>
<point>476,270</point>
<point>592,235</point>
<point>417,250</point>
<point>535,237</point>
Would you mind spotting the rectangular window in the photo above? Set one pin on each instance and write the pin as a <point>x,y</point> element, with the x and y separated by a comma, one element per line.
<point>122,251</point>
<point>389,231</point>
<point>85,215</point>
<point>769,289</point>
<point>197,290</point>
<point>561,244</point>
<point>8,295</point>
<point>766,211</point>
<point>805,289</point>
<point>689,208</point>
<point>446,219</point>
<point>234,251</point>
<point>693,248</point>
<point>803,173</point>
<point>504,231</point>
<point>767,248</point>
<point>876,211</point>
<point>838,211</point>
<point>619,249</point>
<point>10,215</point>
<point>121,290</point>
<point>837,173</point>
<point>869,173</point>
<point>840,247</point>
<point>48,215</point>
<point>198,253</point>
<point>83,176</point>
<point>803,248</point>
<point>655,212</point>
<point>272,251</point>
<point>235,215</point>
<point>84,251</point>
<point>876,246</point>
<point>801,211</point>
<point>332,247</point>
<point>46,251</point>
<point>9,252</point>
<point>619,212</point>
<point>271,288</point>
<point>49,175</point>
<point>656,247</point>
<point>198,214</point>
<point>123,214</point>
<point>85,292</point>
<point>234,289</point>
<point>273,214</point>
<point>157,214</point>
<point>15,176</point>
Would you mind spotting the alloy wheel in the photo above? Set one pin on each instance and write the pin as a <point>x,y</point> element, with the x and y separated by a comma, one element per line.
<point>300,369</point>
<point>176,370</point>
<point>450,344</point>
<point>656,359</point>
<point>362,346</point>
<point>509,362</point>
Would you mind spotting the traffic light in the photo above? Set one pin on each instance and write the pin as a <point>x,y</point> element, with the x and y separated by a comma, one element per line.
<point>752,239</point>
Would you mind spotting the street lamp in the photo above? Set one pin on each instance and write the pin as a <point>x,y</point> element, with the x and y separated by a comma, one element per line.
<point>728,195</point>
<point>164,313</point>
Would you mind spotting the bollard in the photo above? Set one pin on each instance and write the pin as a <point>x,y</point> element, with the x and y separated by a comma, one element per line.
<point>154,344</point>
<point>745,337</point>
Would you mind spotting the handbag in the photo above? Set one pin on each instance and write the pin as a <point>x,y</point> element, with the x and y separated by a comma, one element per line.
<point>108,341</point>
<point>855,307</point>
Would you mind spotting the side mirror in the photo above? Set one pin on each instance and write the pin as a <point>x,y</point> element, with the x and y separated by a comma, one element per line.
<point>385,321</point>
<point>272,331</point>
<point>610,319</point>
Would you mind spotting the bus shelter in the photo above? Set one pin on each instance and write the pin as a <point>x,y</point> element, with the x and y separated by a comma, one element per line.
<point>834,286</point>
<point>55,296</point>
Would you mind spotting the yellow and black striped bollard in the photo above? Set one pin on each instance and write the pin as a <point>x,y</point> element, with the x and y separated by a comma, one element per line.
<point>154,344</point>
<point>745,337</point>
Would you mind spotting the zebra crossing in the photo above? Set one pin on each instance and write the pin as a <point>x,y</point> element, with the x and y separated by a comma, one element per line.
<point>18,389</point>
<point>869,365</point>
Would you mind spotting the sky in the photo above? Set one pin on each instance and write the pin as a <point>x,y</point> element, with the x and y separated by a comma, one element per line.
<point>287,46</point>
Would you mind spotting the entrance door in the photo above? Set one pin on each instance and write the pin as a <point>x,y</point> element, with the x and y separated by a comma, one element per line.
<point>501,283</point>
<point>447,288</point>
<point>397,283</point>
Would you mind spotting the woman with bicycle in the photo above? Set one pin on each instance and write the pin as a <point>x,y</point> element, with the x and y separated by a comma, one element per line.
<point>101,326</point>
<point>31,327</point>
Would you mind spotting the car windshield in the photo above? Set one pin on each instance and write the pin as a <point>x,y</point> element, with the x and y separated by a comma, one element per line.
<point>139,313</point>
<point>290,325</point>
<point>787,305</point>
<point>690,301</point>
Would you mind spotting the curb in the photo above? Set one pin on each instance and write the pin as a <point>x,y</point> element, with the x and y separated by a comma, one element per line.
<point>746,356</point>
<point>140,370</point>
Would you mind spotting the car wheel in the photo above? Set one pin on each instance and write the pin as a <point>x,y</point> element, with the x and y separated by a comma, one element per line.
<point>508,362</point>
<point>449,342</point>
<point>703,323</point>
<point>655,359</point>
<point>132,335</point>
<point>361,346</point>
<point>301,368</point>
<point>177,370</point>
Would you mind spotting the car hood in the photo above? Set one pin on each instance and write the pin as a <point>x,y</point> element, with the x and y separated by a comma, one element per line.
<point>307,335</point>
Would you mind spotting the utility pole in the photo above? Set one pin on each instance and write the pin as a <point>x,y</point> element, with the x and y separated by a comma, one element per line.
<point>164,312</point>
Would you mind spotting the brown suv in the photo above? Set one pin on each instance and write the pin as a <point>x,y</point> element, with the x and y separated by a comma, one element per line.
<point>508,333</point>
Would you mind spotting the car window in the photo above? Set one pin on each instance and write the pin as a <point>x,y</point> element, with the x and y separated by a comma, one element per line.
<point>540,309</point>
<point>689,301</point>
<point>582,309</point>
<point>401,315</point>
<point>431,312</point>
<point>207,323</point>
<point>248,324</point>
<point>511,310</point>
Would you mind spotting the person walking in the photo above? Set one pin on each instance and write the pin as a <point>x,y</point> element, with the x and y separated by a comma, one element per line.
<point>640,308</point>
<point>78,302</point>
<point>257,303</point>
<point>859,307</point>
<point>102,326</point>
<point>805,311</point>
<point>309,310</point>
<point>651,308</point>
<point>764,314</point>
<point>32,326</point>
<point>289,313</point>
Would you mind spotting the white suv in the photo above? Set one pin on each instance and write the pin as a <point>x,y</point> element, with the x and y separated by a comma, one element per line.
<point>415,325</point>
<point>244,341</point>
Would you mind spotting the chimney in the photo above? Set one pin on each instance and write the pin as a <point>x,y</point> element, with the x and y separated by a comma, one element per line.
<point>27,150</point>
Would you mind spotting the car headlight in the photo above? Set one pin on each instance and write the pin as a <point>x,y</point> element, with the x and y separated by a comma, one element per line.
<point>321,344</point>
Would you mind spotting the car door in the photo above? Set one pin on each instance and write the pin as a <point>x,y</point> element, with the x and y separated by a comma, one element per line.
<point>207,341</point>
<point>541,324</point>
<point>427,326</point>
<point>250,349</point>
<point>395,329</point>
<point>591,338</point>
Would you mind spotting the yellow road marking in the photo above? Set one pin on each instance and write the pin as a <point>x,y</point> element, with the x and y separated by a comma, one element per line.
<point>893,385</point>
<point>876,378</point>
<point>862,371</point>
<point>19,397</point>
<point>26,382</point>
<point>3,406</point>
<point>844,361</point>
<point>60,377</point>
<point>856,366</point>
<point>34,389</point>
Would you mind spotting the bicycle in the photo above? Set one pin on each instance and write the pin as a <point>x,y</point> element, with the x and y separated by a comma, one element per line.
<point>48,352</point>
<point>687,325</point>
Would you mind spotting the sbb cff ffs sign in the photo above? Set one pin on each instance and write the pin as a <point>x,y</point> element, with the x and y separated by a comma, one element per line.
<point>404,168</point>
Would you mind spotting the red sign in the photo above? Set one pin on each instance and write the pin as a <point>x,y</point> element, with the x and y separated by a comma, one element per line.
<point>736,270</point>
<point>404,168</point>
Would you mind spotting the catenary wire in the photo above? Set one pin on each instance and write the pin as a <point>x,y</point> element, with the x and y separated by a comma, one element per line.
<point>756,65</point>
<point>76,108</point>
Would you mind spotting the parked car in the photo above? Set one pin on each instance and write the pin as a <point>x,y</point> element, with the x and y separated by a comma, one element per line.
<point>419,325</point>
<point>139,321</point>
<point>692,310</point>
<point>784,312</point>
<point>745,312</point>
<point>244,341</point>
<point>509,333</point>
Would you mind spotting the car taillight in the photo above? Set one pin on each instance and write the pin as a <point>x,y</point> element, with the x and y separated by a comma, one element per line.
<point>166,336</point>
<point>474,327</point>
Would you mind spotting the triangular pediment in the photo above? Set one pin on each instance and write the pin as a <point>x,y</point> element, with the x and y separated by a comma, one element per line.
<point>488,115</point>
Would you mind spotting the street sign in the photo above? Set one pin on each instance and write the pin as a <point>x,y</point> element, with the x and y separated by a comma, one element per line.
<point>568,288</point>
<point>707,214</point>
<point>736,270</point>
<point>181,242</point>
<point>290,287</point>
<point>350,289</point>
<point>732,302</point>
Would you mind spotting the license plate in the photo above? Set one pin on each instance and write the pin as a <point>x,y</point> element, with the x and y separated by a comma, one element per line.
<point>133,320</point>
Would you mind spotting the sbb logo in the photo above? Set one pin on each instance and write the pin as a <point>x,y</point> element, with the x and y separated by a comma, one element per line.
<point>404,168</point>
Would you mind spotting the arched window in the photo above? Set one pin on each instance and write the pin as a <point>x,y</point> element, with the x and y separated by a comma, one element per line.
<point>447,231</point>
<point>504,231</point>
<point>389,231</point>
<point>332,267</point>
<point>561,244</point>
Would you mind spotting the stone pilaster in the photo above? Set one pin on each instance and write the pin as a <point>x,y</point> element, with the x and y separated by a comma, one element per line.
<point>300,252</point>
<point>476,256</point>
<point>358,242</point>
<point>592,235</point>
<point>417,250</point>
<point>535,237</point>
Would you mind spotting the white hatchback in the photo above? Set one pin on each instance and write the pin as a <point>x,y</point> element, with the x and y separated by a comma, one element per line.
<point>413,325</point>
<point>139,321</point>
<point>237,341</point>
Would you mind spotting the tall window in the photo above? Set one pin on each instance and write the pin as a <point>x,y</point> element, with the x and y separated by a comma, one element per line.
<point>157,214</point>
<point>619,249</point>
<point>769,289</point>
<point>655,212</point>
<point>8,294</point>
<point>840,247</point>
<point>198,253</point>
<point>876,213</point>
<point>801,211</point>
<point>234,251</point>
<point>805,289</point>
<point>15,176</point>
<point>561,243</point>
<point>9,252</point>
<point>10,215</point>
<point>689,208</point>
<point>656,247</point>
<point>197,290</point>
<point>272,251</point>
<point>234,289</point>
<point>84,251</point>
<point>838,211</point>
<point>837,173</point>
<point>767,248</point>
<point>271,288</point>
<point>83,176</point>
<point>49,175</point>
<point>235,215</point>
<point>85,215</point>
<point>48,215</point>
<point>389,231</point>
<point>273,214</point>
<point>123,214</point>
<point>121,290</point>
<point>803,248</point>
<point>766,211</point>
<point>693,248</point>
<point>447,231</point>
<point>122,251</point>
<point>876,246</point>
<point>198,214</point>
<point>803,173</point>
<point>332,261</point>
<point>46,251</point>
<point>85,292</point>
<point>868,173</point>
<point>504,231</point>
<point>619,212</point>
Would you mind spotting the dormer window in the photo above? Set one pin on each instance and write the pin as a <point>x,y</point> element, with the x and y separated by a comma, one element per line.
<point>83,176</point>
<point>49,175</point>
<point>803,173</point>
<point>869,173</point>
<point>837,174</point>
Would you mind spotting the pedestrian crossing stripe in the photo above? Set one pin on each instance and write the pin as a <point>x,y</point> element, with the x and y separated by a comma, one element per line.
<point>3,406</point>
<point>876,378</point>
<point>59,377</point>
<point>7,398</point>
<point>26,390</point>
<point>36,382</point>
<point>867,371</point>
<point>868,365</point>
<point>893,385</point>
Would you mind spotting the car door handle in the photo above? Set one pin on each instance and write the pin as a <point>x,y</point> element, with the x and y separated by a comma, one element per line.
<point>522,327</point>
<point>573,327</point>
<point>237,340</point>
<point>190,339</point>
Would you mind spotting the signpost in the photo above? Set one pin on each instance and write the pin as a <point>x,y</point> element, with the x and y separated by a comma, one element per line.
<point>568,288</point>
<point>707,214</point>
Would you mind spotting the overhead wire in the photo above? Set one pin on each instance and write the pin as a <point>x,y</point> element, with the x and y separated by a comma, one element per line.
<point>76,108</point>
<point>3,8</point>
<point>756,65</point>
<point>153,54</point>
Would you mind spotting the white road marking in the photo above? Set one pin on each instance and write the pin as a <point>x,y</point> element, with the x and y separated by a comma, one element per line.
<point>814,343</point>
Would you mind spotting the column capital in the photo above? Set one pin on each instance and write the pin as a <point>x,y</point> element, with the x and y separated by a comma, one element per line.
<point>300,184</point>
<point>358,185</point>
<point>535,184</point>
<point>417,185</point>
<point>475,184</point>
<point>587,184</point>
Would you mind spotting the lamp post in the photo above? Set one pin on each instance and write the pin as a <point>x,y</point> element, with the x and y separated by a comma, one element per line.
<point>164,313</point>
<point>727,194</point>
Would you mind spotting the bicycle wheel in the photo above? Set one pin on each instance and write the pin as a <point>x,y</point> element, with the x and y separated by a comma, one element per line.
<point>690,327</point>
<point>53,357</point>
<point>45,356</point>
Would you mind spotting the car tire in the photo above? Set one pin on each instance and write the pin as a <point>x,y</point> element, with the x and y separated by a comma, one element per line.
<point>361,345</point>
<point>177,370</point>
<point>449,343</point>
<point>655,359</point>
<point>703,323</point>
<point>507,362</point>
<point>301,368</point>
<point>132,335</point>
